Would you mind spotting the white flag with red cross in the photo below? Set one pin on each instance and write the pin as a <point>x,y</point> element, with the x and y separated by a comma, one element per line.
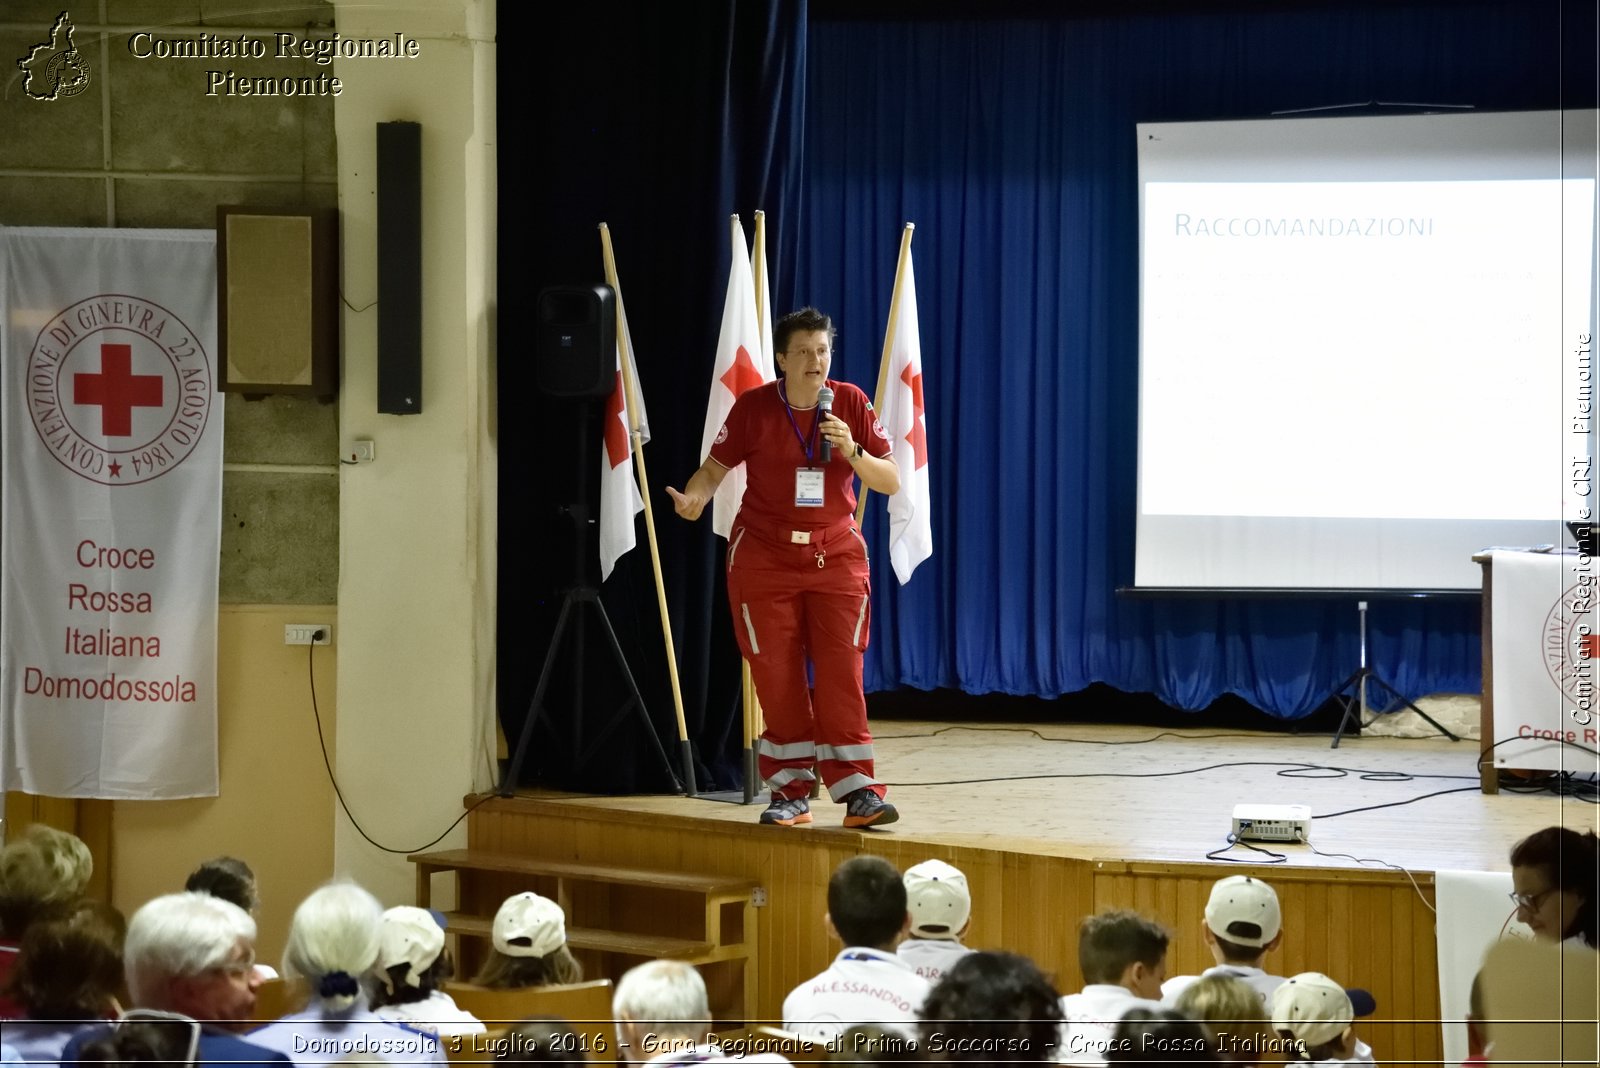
<point>904,417</point>
<point>741,364</point>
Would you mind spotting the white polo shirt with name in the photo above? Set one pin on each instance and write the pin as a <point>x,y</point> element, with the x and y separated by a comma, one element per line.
<point>866,986</point>
<point>931,957</point>
<point>1089,1020</point>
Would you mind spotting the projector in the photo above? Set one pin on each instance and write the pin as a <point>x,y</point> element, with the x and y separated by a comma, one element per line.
<point>1272,823</point>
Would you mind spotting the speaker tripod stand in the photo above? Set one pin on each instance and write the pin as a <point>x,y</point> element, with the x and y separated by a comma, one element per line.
<point>580,608</point>
<point>1355,705</point>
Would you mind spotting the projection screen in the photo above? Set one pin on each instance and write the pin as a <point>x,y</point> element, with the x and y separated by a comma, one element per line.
<point>1364,346</point>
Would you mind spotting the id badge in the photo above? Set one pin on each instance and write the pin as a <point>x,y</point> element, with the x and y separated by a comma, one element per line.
<point>808,487</point>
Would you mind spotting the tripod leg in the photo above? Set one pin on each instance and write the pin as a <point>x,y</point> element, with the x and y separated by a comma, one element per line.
<point>1379,680</point>
<point>644,715</point>
<point>1351,712</point>
<point>508,783</point>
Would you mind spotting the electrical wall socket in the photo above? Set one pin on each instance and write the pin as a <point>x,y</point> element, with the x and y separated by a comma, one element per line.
<point>305,634</point>
<point>360,451</point>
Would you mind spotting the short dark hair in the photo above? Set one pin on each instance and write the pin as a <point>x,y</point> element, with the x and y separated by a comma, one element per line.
<point>1569,860</point>
<point>1236,952</point>
<point>228,878</point>
<point>804,320</point>
<point>1160,1036</point>
<point>1001,1001</point>
<point>1109,942</point>
<point>867,902</point>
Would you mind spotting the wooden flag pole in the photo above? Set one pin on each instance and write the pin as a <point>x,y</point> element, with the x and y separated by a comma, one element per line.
<point>625,343</point>
<point>752,703</point>
<point>888,341</point>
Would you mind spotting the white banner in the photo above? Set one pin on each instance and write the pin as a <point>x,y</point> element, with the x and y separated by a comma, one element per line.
<point>1545,655</point>
<point>112,527</point>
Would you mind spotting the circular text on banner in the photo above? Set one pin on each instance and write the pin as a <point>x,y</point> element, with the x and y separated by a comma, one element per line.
<point>119,389</point>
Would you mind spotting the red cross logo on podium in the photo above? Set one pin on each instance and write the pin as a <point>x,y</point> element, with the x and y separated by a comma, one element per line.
<point>117,390</point>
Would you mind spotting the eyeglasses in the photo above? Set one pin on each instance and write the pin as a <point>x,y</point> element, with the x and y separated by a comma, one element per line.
<point>238,967</point>
<point>166,1032</point>
<point>1531,902</point>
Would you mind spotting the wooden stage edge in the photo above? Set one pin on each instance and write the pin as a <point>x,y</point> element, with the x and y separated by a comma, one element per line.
<point>1054,822</point>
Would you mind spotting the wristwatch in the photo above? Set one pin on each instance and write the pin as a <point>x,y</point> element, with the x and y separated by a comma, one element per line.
<point>858,453</point>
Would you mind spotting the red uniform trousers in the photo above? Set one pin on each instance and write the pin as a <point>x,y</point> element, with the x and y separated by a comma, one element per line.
<point>791,601</point>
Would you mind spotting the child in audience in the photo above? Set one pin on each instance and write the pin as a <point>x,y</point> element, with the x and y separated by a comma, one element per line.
<point>1242,924</point>
<point>1316,1015</point>
<point>994,1007</point>
<point>1123,957</point>
<point>1235,1016</point>
<point>1160,1036</point>
<point>940,907</point>
<point>412,962</point>
<point>867,982</point>
<point>530,946</point>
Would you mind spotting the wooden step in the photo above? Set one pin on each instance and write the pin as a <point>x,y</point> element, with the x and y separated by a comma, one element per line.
<point>488,860</point>
<point>639,945</point>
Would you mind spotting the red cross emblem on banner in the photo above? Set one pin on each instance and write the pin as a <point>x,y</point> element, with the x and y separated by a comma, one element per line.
<point>117,390</point>
<point>1589,647</point>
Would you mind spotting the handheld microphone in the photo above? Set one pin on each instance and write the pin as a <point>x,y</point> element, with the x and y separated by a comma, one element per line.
<point>824,409</point>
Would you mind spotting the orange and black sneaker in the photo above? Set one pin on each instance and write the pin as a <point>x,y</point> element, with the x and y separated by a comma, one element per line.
<point>864,808</point>
<point>787,811</point>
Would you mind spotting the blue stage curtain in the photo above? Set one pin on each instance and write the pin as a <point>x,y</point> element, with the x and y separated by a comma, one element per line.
<point>1010,143</point>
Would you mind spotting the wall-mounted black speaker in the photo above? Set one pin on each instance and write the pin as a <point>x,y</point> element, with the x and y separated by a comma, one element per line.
<point>400,268</point>
<point>577,342</point>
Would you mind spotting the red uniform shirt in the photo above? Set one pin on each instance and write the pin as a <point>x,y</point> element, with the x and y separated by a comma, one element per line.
<point>759,433</point>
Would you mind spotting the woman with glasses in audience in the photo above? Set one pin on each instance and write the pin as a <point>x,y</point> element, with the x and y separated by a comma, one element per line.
<point>1554,873</point>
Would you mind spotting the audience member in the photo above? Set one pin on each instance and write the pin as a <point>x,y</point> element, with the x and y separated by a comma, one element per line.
<point>662,1014</point>
<point>1123,957</point>
<point>867,982</point>
<point>991,1007</point>
<point>529,946</point>
<point>1234,1014</point>
<point>1316,1014</point>
<point>412,962</point>
<point>1555,874</point>
<point>232,880</point>
<point>1242,925</point>
<point>1160,1036</point>
<point>67,979</point>
<point>41,871</point>
<point>191,954</point>
<point>1479,1045</point>
<point>333,943</point>
<point>941,910</point>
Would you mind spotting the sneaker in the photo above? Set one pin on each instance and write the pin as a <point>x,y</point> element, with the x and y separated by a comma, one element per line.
<point>787,811</point>
<point>864,808</point>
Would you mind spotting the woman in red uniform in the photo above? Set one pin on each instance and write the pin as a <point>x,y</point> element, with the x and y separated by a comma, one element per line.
<point>797,570</point>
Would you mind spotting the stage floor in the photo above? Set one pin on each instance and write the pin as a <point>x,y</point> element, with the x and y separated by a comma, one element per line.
<point>1129,793</point>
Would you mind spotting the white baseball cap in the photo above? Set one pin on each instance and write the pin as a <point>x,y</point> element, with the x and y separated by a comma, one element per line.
<point>937,898</point>
<point>1239,899</point>
<point>1312,1008</point>
<point>410,936</point>
<point>528,925</point>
